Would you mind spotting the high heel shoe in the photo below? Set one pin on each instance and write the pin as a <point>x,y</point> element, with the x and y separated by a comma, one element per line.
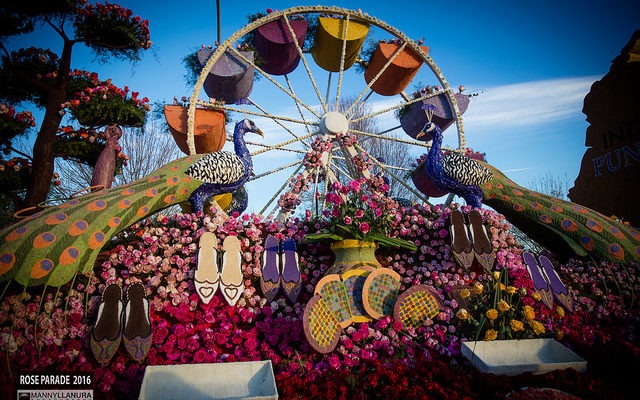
<point>231,278</point>
<point>107,333</point>
<point>137,334</point>
<point>207,276</point>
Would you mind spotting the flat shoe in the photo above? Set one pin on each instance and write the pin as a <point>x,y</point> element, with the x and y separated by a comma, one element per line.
<point>231,278</point>
<point>560,291</point>
<point>482,246</point>
<point>207,277</point>
<point>540,283</point>
<point>460,243</point>
<point>107,333</point>
<point>137,333</point>
<point>291,279</point>
<point>270,279</point>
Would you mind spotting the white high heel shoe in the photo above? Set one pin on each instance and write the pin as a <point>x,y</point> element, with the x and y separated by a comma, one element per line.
<point>207,277</point>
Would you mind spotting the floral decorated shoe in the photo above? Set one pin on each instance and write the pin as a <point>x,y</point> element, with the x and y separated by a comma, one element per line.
<point>417,305</point>
<point>321,328</point>
<point>380,292</point>
<point>107,333</point>
<point>560,291</point>
<point>231,278</point>
<point>482,246</point>
<point>270,279</point>
<point>291,279</point>
<point>137,333</point>
<point>460,244</point>
<point>207,277</point>
<point>540,283</point>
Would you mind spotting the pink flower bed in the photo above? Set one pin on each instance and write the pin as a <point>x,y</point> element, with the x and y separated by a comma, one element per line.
<point>44,330</point>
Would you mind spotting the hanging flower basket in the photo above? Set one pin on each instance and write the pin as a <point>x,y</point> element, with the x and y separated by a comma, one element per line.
<point>209,128</point>
<point>330,34</point>
<point>398,74</point>
<point>414,118</point>
<point>276,46</point>
<point>230,78</point>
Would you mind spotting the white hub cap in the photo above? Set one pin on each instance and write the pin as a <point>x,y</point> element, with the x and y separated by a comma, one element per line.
<point>333,123</point>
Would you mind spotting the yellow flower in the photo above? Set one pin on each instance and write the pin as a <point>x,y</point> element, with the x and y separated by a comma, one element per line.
<point>477,288</point>
<point>503,306</point>
<point>491,334</point>
<point>538,328</point>
<point>516,325</point>
<point>464,293</point>
<point>536,296</point>
<point>502,286</point>
<point>492,314</point>
<point>462,314</point>
<point>496,275</point>
<point>529,312</point>
<point>560,312</point>
<point>511,290</point>
<point>559,334</point>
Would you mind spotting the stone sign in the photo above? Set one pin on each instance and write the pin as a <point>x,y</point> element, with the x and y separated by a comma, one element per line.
<point>609,178</point>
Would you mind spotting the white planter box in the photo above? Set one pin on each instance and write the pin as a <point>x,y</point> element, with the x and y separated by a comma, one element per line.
<point>513,357</point>
<point>237,380</point>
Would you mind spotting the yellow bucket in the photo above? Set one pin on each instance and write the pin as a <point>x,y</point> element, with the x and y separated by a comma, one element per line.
<point>327,48</point>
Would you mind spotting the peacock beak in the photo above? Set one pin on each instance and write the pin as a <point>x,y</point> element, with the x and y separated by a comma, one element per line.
<point>420,134</point>
<point>259,132</point>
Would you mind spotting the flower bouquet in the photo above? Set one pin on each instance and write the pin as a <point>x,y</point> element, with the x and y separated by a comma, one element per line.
<point>360,210</point>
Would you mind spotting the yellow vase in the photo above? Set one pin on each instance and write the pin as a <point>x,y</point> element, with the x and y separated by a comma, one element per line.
<point>352,253</point>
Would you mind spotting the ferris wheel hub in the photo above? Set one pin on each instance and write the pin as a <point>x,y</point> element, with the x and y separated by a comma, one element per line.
<point>333,123</point>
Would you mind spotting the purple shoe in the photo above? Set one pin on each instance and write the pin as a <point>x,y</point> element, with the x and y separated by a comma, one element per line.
<point>540,283</point>
<point>560,291</point>
<point>291,279</point>
<point>270,279</point>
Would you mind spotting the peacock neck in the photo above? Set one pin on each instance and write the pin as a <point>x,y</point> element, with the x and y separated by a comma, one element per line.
<point>434,159</point>
<point>241,149</point>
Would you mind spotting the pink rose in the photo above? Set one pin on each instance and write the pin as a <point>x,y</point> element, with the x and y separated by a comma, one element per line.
<point>364,227</point>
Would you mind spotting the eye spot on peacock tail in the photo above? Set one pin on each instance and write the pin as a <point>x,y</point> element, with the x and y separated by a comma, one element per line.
<point>33,216</point>
<point>488,185</point>
<point>128,192</point>
<point>96,240</point>
<point>499,185</point>
<point>151,193</point>
<point>142,211</point>
<point>506,197</point>
<point>69,203</point>
<point>43,240</point>
<point>173,168</point>
<point>7,260</point>
<point>616,251</point>
<point>557,209</point>
<point>594,226</point>
<point>154,178</point>
<point>518,207</point>
<point>184,192</point>
<point>172,181</point>
<point>41,268</point>
<point>16,234</point>
<point>568,225</point>
<point>617,233</point>
<point>169,199</point>
<point>588,243</point>
<point>114,222</point>
<point>637,250</point>
<point>97,205</point>
<point>187,179</point>
<point>546,219</point>
<point>78,228</point>
<point>69,255</point>
<point>579,209</point>
<point>517,192</point>
<point>56,219</point>
<point>536,206</point>
<point>124,204</point>
<point>534,194</point>
<point>634,234</point>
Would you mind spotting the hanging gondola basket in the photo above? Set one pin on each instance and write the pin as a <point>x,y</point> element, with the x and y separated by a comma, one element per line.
<point>398,74</point>
<point>209,128</point>
<point>276,46</point>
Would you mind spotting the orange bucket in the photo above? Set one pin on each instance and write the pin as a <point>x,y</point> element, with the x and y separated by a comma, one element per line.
<point>209,131</point>
<point>398,74</point>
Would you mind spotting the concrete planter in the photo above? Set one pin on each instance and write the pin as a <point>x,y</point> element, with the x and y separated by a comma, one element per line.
<point>237,380</point>
<point>513,357</point>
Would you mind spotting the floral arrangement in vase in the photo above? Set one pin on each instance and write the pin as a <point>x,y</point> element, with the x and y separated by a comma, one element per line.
<point>360,210</point>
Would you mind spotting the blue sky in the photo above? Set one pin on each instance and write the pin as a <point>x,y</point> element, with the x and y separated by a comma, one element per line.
<point>531,62</point>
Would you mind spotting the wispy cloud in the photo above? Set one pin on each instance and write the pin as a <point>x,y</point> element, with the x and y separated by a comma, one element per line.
<point>528,104</point>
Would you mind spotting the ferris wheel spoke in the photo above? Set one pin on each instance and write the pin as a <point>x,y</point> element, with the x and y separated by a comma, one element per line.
<point>391,138</point>
<point>278,119</point>
<point>305,63</point>
<point>281,144</point>
<point>280,189</point>
<point>286,77</point>
<point>276,83</point>
<point>375,78</point>
<point>342,58</point>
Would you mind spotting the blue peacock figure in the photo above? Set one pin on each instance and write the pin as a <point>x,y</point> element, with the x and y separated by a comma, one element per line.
<point>567,228</point>
<point>51,246</point>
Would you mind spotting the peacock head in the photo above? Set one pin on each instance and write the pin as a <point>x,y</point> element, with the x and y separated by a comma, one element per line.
<point>246,125</point>
<point>428,132</point>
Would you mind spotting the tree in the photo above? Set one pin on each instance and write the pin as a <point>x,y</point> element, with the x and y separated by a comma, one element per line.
<point>47,81</point>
